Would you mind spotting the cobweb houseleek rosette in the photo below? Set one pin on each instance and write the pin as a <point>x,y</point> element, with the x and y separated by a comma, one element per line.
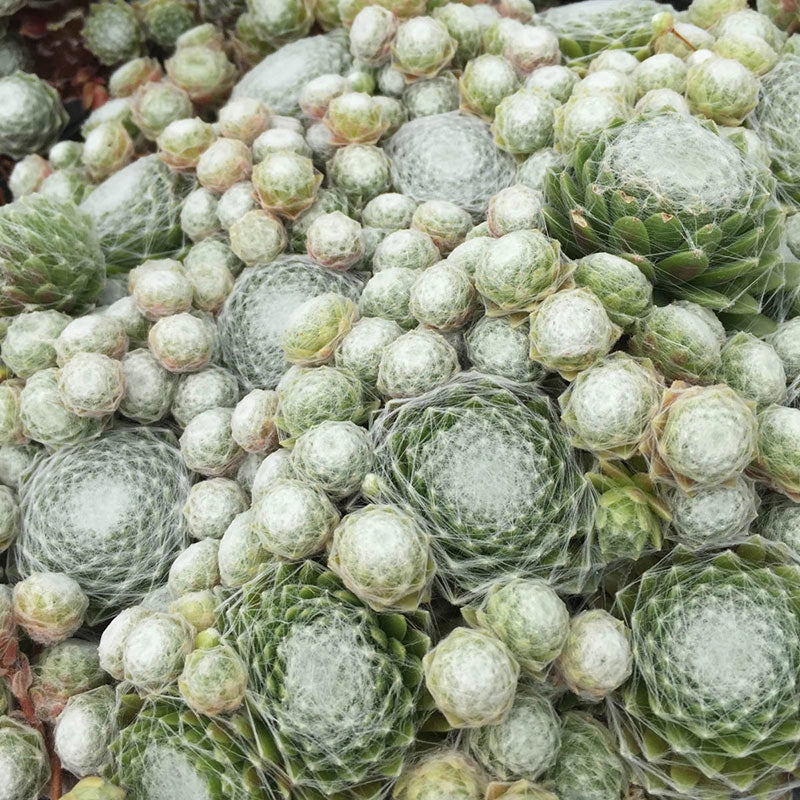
<point>586,29</point>
<point>136,213</point>
<point>166,751</point>
<point>776,119</point>
<point>337,686</point>
<point>50,257</point>
<point>107,513</point>
<point>484,463</point>
<point>712,707</point>
<point>256,312</point>
<point>680,201</point>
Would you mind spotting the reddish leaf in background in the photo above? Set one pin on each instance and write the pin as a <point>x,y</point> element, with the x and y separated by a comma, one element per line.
<point>54,34</point>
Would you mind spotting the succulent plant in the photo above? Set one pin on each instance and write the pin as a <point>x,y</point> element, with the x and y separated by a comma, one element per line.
<point>499,346</point>
<point>774,117</point>
<point>28,175</point>
<point>360,172</point>
<point>754,369</point>
<point>49,606</point>
<point>596,25</point>
<point>777,461</point>
<point>682,339</point>
<point>165,20</point>
<point>123,493</point>
<point>487,468</point>
<point>315,327</point>
<point>335,241</point>
<point>596,658</point>
<point>705,234</point>
<point>705,702</point>
<point>112,32</point>
<point>161,730</point>
<point>588,765</point>
<point>383,556</point>
<point>702,436</point>
<point>519,790</point>
<point>32,117</point>
<point>151,108</point>
<point>786,342</point>
<point>472,678</point>
<point>30,341</point>
<point>91,385</point>
<point>214,677</point>
<point>84,730</point>
<point>23,757</point>
<point>366,724</point>
<point>570,331</point>
<point>278,79</point>
<point>629,515</point>
<point>414,363</point>
<point>361,350</point>
<point>149,388</point>
<point>441,771</point>
<point>528,617</point>
<point>94,333</point>
<point>316,395</point>
<point>609,406</point>
<point>154,651</point>
<point>94,788</point>
<point>45,417</point>
<point>525,744</point>
<point>719,515</point>
<point>515,208</point>
<point>623,289</point>
<point>61,671</point>
<point>253,319</point>
<point>127,78</point>
<point>449,156</point>
<point>518,271</point>
<point>39,270</point>
<point>422,47</point>
<point>203,72</point>
<point>293,520</point>
<point>136,213</point>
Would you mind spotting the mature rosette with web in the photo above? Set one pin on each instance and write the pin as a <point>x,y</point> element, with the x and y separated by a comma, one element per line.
<point>680,201</point>
<point>165,749</point>
<point>108,513</point>
<point>712,706</point>
<point>136,213</point>
<point>587,28</point>
<point>484,463</point>
<point>449,157</point>
<point>777,117</point>
<point>50,257</point>
<point>252,322</point>
<point>335,686</point>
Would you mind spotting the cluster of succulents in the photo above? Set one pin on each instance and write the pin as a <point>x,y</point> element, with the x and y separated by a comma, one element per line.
<point>401,400</point>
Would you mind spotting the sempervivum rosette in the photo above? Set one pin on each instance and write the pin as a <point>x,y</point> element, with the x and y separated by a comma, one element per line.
<point>108,513</point>
<point>484,463</point>
<point>776,117</point>
<point>164,749</point>
<point>136,213</point>
<point>679,200</point>
<point>449,156</point>
<point>586,29</point>
<point>711,709</point>
<point>23,759</point>
<point>258,309</point>
<point>336,685</point>
<point>50,257</point>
